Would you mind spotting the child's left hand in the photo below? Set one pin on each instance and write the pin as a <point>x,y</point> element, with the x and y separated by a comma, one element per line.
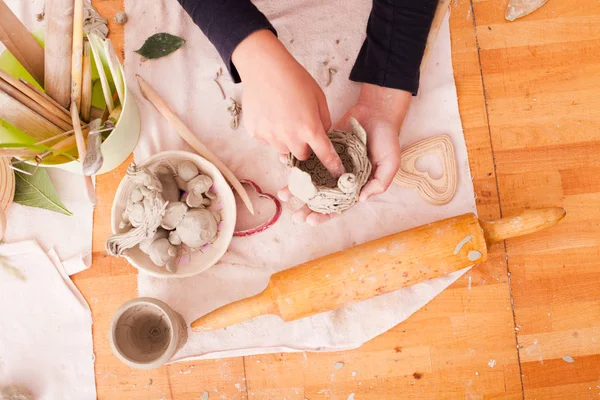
<point>380,111</point>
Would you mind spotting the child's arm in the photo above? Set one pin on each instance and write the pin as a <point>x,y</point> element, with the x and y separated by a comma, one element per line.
<point>396,36</point>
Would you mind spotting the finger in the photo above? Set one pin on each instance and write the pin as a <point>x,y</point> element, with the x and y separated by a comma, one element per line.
<point>300,215</point>
<point>283,158</point>
<point>285,194</point>
<point>279,145</point>
<point>382,177</point>
<point>300,150</point>
<point>343,123</point>
<point>314,218</point>
<point>324,150</point>
<point>324,113</point>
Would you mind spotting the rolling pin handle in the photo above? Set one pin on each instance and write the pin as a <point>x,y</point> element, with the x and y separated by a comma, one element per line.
<point>527,222</point>
<point>236,312</point>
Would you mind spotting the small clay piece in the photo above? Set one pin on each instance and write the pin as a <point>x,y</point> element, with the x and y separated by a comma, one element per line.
<point>121,18</point>
<point>313,184</point>
<point>436,191</point>
<point>170,191</point>
<point>136,196</point>
<point>15,393</point>
<point>161,252</point>
<point>187,171</point>
<point>146,243</point>
<point>235,109</point>
<point>194,200</point>
<point>174,238</point>
<point>197,228</point>
<point>520,8</point>
<point>173,215</point>
<point>200,184</point>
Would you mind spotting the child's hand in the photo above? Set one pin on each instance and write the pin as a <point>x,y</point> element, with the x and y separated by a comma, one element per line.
<point>380,111</point>
<point>283,105</point>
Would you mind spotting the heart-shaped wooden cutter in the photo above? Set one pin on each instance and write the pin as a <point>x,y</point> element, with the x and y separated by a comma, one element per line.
<point>436,191</point>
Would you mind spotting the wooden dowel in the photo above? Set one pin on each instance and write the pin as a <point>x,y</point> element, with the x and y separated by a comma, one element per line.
<point>39,93</point>
<point>59,43</point>
<point>23,99</point>
<point>80,140</point>
<point>77,54</point>
<point>25,119</point>
<point>21,43</point>
<point>193,140</point>
<point>86,84</point>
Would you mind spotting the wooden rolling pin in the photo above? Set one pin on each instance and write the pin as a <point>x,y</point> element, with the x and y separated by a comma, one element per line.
<point>378,267</point>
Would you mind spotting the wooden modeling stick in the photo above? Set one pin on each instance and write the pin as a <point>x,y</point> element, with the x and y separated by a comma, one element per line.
<point>436,191</point>
<point>21,43</point>
<point>86,84</point>
<point>58,48</point>
<point>377,267</point>
<point>77,54</point>
<point>79,139</point>
<point>193,140</point>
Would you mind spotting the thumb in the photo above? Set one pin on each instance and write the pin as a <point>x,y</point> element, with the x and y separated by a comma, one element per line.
<point>382,177</point>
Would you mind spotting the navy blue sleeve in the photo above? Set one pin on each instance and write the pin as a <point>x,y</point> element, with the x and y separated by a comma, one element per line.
<point>226,23</point>
<point>396,37</point>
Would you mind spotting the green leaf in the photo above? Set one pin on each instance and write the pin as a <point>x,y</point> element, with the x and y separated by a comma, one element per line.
<point>160,45</point>
<point>37,190</point>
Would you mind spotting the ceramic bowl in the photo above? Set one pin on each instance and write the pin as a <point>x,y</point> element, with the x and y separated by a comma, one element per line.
<point>200,260</point>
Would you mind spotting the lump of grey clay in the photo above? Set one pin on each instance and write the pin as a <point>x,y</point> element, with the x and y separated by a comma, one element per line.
<point>173,215</point>
<point>197,228</point>
<point>145,244</point>
<point>170,191</point>
<point>311,182</point>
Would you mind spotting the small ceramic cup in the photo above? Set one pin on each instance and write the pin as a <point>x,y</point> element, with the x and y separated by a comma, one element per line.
<point>145,333</point>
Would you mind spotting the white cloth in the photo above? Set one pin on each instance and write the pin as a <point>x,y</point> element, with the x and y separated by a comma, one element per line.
<point>311,31</point>
<point>46,335</point>
<point>70,236</point>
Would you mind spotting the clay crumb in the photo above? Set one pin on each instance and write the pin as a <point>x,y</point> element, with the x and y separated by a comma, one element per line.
<point>149,382</point>
<point>204,396</point>
<point>337,41</point>
<point>40,16</point>
<point>121,18</point>
<point>353,373</point>
<point>330,73</point>
<point>351,396</point>
<point>474,255</point>
<point>417,375</point>
<point>398,349</point>
<point>568,359</point>
<point>338,365</point>
<point>492,363</point>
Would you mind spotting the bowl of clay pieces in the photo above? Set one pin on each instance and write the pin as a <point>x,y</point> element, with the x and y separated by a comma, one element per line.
<point>173,215</point>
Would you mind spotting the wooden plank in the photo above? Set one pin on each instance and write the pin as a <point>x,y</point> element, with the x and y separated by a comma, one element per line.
<point>21,44</point>
<point>59,42</point>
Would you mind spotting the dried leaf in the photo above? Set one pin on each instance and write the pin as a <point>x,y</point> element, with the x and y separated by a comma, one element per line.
<point>160,45</point>
<point>37,190</point>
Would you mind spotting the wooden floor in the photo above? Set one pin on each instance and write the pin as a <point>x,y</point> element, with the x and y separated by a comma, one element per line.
<point>526,324</point>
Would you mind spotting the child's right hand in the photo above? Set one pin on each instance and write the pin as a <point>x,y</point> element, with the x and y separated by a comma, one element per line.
<point>282,104</point>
